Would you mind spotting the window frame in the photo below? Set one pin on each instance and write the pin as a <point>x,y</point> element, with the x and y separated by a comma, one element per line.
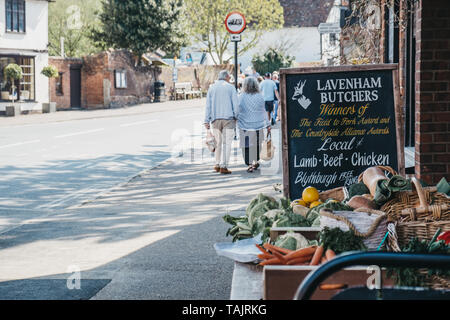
<point>122,82</point>
<point>19,15</point>
<point>18,84</point>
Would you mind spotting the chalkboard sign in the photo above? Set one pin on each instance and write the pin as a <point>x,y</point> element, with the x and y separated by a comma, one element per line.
<point>337,122</point>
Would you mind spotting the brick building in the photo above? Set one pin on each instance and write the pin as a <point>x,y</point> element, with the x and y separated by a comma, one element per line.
<point>432,88</point>
<point>419,41</point>
<point>415,34</point>
<point>64,91</point>
<point>305,13</point>
<point>105,80</point>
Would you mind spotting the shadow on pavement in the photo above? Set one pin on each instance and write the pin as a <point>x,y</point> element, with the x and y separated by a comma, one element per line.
<point>153,237</point>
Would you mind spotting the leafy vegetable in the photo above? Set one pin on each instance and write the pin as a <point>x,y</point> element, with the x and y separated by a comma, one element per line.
<point>340,241</point>
<point>261,214</point>
<point>292,241</point>
<point>409,277</point>
<point>331,204</point>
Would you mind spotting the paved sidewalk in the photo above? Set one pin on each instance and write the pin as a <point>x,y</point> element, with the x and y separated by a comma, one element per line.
<point>151,238</point>
<point>71,115</point>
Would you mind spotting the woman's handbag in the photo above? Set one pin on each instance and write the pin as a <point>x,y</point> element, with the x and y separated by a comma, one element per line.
<point>210,141</point>
<point>267,149</point>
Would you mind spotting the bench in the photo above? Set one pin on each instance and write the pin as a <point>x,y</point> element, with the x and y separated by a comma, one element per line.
<point>184,89</point>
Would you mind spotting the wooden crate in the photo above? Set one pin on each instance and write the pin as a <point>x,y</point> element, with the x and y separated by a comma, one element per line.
<point>309,233</point>
<point>282,282</point>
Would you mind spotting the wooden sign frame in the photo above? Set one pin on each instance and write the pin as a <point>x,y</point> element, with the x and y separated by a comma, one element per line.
<point>399,121</point>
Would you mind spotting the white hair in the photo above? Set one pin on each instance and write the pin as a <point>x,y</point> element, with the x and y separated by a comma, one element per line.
<point>251,85</point>
<point>223,75</point>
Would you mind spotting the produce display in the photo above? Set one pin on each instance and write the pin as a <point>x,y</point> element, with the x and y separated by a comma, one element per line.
<point>440,244</point>
<point>341,241</point>
<point>263,213</point>
<point>294,249</point>
<point>311,255</point>
<point>350,204</point>
<point>293,241</point>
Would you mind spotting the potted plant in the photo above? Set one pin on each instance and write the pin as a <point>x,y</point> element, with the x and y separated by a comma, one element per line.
<point>13,72</point>
<point>50,72</point>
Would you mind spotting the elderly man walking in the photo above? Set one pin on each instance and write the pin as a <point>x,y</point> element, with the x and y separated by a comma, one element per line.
<point>221,112</point>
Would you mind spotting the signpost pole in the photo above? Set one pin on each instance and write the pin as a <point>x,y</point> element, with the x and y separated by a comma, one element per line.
<point>321,50</point>
<point>236,64</point>
<point>235,24</point>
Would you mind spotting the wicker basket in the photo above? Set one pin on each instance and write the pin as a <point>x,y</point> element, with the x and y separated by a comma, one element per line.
<point>338,194</point>
<point>433,281</point>
<point>418,213</point>
<point>369,224</point>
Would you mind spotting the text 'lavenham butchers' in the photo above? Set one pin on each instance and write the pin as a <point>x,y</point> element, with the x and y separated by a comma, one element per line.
<point>349,90</point>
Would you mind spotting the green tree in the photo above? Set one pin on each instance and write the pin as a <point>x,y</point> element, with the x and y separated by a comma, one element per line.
<point>73,20</point>
<point>272,60</point>
<point>13,72</point>
<point>140,25</point>
<point>207,23</point>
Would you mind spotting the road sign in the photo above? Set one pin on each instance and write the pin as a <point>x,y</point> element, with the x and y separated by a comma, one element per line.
<point>329,28</point>
<point>235,38</point>
<point>235,22</point>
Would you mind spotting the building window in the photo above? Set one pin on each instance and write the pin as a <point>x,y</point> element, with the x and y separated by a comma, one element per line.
<point>121,79</point>
<point>27,82</point>
<point>15,15</point>
<point>59,84</point>
<point>26,86</point>
<point>332,39</point>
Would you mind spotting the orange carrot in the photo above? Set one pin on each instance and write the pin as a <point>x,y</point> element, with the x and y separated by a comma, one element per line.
<point>317,256</point>
<point>270,262</point>
<point>273,248</point>
<point>301,253</point>
<point>330,254</point>
<point>300,260</point>
<point>261,249</point>
<point>264,256</point>
<point>324,260</point>
<point>280,257</point>
<point>332,286</point>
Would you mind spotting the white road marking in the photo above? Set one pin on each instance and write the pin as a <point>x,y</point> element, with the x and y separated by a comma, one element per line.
<point>137,123</point>
<point>19,144</point>
<point>79,133</point>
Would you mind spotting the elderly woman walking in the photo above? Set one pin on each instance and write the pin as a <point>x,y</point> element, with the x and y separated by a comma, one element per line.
<point>252,120</point>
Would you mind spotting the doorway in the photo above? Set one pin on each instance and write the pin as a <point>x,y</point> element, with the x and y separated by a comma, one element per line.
<point>75,86</point>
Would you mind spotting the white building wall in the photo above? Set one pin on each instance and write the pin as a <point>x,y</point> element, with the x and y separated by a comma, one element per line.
<point>331,51</point>
<point>302,43</point>
<point>33,43</point>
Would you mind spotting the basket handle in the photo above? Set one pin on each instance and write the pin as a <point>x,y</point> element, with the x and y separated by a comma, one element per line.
<point>385,168</point>
<point>329,213</point>
<point>424,206</point>
<point>422,198</point>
